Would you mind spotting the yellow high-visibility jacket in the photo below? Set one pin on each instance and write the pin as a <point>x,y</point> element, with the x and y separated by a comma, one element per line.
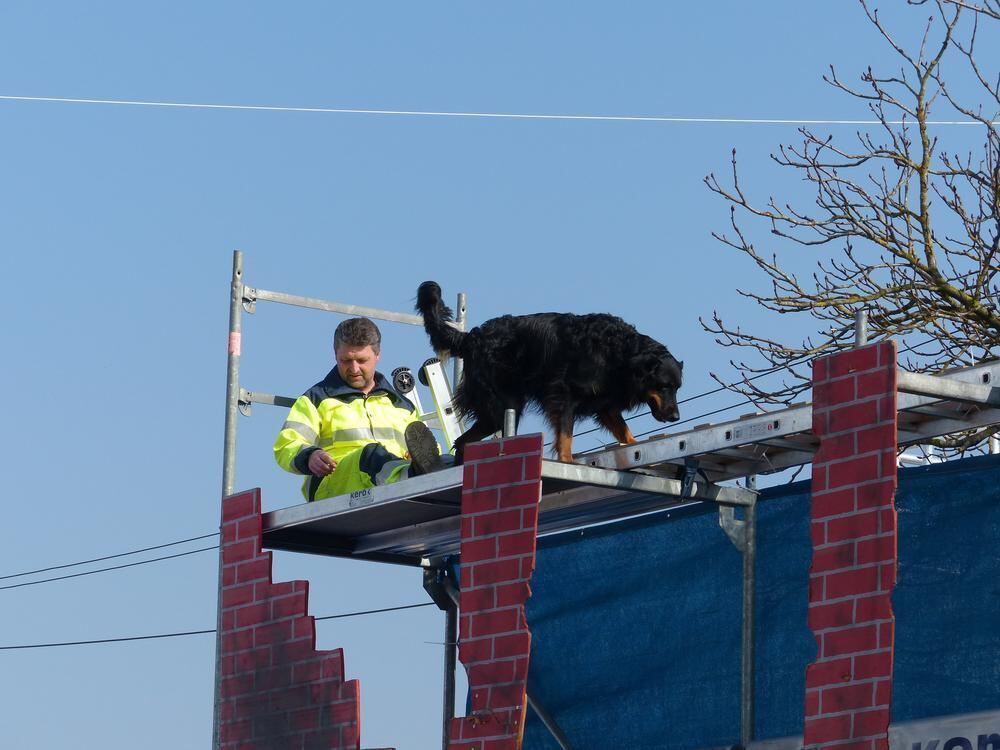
<point>341,420</point>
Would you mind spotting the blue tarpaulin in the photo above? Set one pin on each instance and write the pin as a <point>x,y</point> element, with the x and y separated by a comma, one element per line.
<point>636,625</point>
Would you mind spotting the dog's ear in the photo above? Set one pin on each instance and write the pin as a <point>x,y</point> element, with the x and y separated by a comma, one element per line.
<point>680,364</point>
<point>644,362</point>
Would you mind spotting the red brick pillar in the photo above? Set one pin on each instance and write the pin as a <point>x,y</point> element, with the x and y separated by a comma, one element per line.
<point>500,493</point>
<point>849,686</point>
<point>277,690</point>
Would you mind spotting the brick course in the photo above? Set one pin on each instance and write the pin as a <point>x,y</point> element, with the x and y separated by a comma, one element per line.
<point>853,530</point>
<point>278,691</point>
<point>500,493</point>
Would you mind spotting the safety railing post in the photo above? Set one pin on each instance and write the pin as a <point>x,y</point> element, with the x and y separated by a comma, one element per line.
<point>228,456</point>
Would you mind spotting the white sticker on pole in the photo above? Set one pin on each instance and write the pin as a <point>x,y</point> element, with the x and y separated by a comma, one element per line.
<point>234,343</point>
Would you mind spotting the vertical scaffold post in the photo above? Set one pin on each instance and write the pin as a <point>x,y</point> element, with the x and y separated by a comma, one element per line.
<point>749,591</point>
<point>860,328</point>
<point>228,453</point>
<point>460,320</point>
<point>509,423</point>
<point>233,376</point>
<point>450,664</point>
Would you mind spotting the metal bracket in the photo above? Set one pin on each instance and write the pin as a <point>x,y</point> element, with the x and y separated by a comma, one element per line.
<point>439,585</point>
<point>250,299</point>
<point>691,466</point>
<point>245,402</point>
<point>735,529</point>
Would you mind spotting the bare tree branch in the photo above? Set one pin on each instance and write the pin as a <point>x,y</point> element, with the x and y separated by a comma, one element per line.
<point>902,228</point>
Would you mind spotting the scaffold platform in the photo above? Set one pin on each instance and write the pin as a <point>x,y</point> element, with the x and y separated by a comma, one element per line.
<point>419,518</point>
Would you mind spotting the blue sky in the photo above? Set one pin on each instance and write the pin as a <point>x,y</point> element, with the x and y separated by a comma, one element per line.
<point>117,226</point>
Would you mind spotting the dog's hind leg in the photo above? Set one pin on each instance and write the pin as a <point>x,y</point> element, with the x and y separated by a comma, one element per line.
<point>562,425</point>
<point>614,423</point>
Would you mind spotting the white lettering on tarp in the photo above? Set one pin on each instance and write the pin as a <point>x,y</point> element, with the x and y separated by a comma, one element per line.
<point>979,731</point>
<point>983,742</point>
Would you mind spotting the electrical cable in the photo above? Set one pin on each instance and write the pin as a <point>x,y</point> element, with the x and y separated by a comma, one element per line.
<point>488,115</point>
<point>199,632</point>
<point>104,570</point>
<point>108,557</point>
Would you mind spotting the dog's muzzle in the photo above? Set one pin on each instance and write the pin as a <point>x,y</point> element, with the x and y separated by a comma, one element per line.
<point>663,411</point>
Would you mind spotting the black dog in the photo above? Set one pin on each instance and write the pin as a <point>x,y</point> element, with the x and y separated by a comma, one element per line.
<point>570,366</point>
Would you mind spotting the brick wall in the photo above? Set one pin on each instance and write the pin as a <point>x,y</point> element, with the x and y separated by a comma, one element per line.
<point>500,493</point>
<point>853,526</point>
<point>277,691</point>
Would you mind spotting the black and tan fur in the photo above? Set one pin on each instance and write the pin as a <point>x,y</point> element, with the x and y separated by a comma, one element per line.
<point>569,366</point>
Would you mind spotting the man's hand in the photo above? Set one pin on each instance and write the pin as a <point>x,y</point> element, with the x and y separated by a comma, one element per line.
<point>321,463</point>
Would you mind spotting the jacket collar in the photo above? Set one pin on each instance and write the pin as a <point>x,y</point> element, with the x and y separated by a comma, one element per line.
<point>335,386</point>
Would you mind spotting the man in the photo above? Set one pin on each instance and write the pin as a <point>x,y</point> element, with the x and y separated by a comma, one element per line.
<point>353,430</point>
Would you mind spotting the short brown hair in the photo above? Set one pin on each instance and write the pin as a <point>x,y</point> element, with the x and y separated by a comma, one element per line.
<point>358,332</point>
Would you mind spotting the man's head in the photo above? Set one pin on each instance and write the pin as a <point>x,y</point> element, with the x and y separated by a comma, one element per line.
<point>357,344</point>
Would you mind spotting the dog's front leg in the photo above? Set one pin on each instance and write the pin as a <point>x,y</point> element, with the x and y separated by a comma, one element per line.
<point>614,423</point>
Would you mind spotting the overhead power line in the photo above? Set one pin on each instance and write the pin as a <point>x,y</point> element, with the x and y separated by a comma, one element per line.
<point>481,115</point>
<point>104,570</point>
<point>199,632</point>
<point>108,557</point>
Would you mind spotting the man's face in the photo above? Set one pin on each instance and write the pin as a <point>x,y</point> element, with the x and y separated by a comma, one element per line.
<point>356,365</point>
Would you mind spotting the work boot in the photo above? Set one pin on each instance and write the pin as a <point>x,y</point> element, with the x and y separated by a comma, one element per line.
<point>423,448</point>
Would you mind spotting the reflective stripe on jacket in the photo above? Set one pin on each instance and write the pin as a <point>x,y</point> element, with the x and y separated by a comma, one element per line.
<point>339,419</point>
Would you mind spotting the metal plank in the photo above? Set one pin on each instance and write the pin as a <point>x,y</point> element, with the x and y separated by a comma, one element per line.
<point>706,439</point>
<point>440,485</point>
<point>634,482</point>
<point>948,388</point>
<point>985,374</point>
<point>925,430</point>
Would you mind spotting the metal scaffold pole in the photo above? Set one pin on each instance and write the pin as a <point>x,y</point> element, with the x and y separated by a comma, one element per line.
<point>450,664</point>
<point>749,592</point>
<point>228,454</point>
<point>233,376</point>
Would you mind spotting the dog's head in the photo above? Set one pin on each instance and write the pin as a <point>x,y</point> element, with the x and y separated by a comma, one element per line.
<point>659,376</point>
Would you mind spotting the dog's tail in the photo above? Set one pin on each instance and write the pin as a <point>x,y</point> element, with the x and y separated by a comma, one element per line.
<point>444,338</point>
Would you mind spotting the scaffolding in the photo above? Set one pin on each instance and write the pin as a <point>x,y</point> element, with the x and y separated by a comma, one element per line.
<point>417,522</point>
